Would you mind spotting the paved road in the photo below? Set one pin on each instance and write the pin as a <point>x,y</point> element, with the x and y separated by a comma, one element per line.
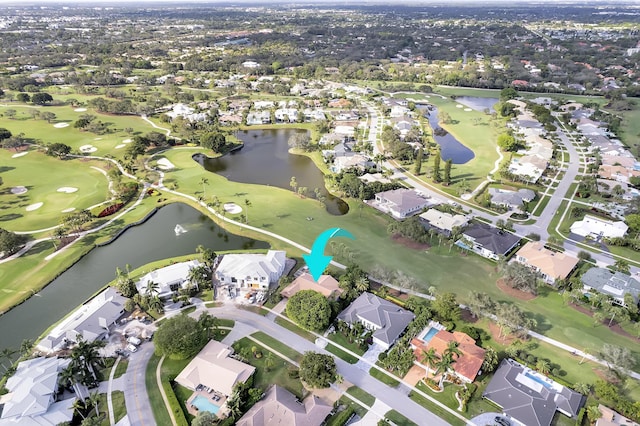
<point>136,397</point>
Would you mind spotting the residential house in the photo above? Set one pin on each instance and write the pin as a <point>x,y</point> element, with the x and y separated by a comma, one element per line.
<point>617,173</point>
<point>32,394</point>
<point>550,264</point>
<point>249,271</point>
<point>613,284</point>
<point>466,365</point>
<point>258,117</point>
<point>400,203</point>
<point>288,115</point>
<point>528,397</point>
<point>170,279</point>
<point>598,228</point>
<point>281,407</point>
<point>611,418</point>
<point>91,321</point>
<point>488,241</point>
<point>215,369</point>
<point>443,222</point>
<point>251,64</point>
<point>385,319</point>
<point>511,199</point>
<point>186,112</point>
<point>328,286</point>
<point>350,161</point>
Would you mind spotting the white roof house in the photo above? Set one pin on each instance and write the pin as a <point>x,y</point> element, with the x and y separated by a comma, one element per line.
<point>251,271</point>
<point>31,399</point>
<point>444,222</point>
<point>90,320</point>
<point>596,227</point>
<point>169,279</point>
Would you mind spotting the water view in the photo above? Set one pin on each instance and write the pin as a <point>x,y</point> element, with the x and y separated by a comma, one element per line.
<point>155,239</point>
<point>477,103</point>
<point>265,160</point>
<point>450,147</point>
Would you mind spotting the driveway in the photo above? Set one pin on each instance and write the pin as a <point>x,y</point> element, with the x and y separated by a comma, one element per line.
<point>371,355</point>
<point>135,390</point>
<point>486,419</point>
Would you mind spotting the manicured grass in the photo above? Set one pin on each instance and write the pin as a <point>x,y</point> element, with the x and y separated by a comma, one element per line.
<point>158,408</point>
<point>168,372</point>
<point>277,345</point>
<point>188,310</point>
<point>362,395</point>
<point>292,327</point>
<point>446,397</point>
<point>357,408</point>
<point>276,375</point>
<point>374,372</point>
<point>121,368</point>
<point>43,176</point>
<point>542,204</point>
<point>399,419</point>
<point>340,339</point>
<point>341,354</point>
<point>119,407</point>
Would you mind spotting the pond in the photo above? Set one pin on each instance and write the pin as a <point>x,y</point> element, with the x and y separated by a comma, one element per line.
<point>450,147</point>
<point>477,103</point>
<point>265,160</point>
<point>153,240</point>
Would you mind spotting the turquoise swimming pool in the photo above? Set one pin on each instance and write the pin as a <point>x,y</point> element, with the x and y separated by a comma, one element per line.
<point>204,404</point>
<point>429,334</point>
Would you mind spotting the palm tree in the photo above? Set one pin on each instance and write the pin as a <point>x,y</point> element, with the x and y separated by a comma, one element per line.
<point>452,349</point>
<point>156,304</point>
<point>583,388</point>
<point>79,407</point>
<point>293,184</point>
<point>593,413</point>
<point>247,204</point>
<point>26,346</point>
<point>442,367</point>
<point>362,284</point>
<point>204,181</point>
<point>379,159</point>
<point>67,377</point>
<point>152,288</point>
<point>94,399</point>
<point>7,353</point>
<point>543,366</point>
<point>429,358</point>
<point>269,361</point>
<point>208,322</point>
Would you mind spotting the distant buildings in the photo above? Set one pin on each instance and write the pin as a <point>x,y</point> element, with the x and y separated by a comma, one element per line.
<point>613,284</point>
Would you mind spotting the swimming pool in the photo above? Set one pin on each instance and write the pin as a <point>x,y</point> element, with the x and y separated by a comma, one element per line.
<point>204,404</point>
<point>429,334</point>
<point>539,380</point>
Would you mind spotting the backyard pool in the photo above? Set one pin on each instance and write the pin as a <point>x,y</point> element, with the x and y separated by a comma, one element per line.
<point>426,337</point>
<point>539,380</point>
<point>203,403</point>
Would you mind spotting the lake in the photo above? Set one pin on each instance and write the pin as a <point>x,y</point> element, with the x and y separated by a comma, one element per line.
<point>153,240</point>
<point>265,160</point>
<point>450,147</point>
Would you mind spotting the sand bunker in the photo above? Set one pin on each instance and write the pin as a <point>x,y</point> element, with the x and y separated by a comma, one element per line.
<point>97,139</point>
<point>127,141</point>
<point>165,164</point>
<point>60,125</point>
<point>33,207</point>
<point>120,146</point>
<point>69,210</point>
<point>67,189</point>
<point>468,109</point>
<point>88,148</point>
<point>459,106</point>
<point>18,190</point>
<point>80,109</point>
<point>232,208</point>
<point>20,154</point>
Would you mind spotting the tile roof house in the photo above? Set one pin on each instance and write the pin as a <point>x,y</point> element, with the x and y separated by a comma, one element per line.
<point>214,368</point>
<point>326,285</point>
<point>614,284</point>
<point>251,271</point>
<point>511,199</point>
<point>466,366</point>
<point>91,321</point>
<point>400,203</point>
<point>31,398</point>
<point>528,397</point>
<point>597,228</point>
<point>551,265</point>
<point>280,407</point>
<point>170,279</point>
<point>386,319</point>
<point>443,222</point>
<point>488,241</point>
<point>611,418</point>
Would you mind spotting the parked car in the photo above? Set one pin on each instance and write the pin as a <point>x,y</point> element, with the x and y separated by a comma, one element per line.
<point>131,348</point>
<point>134,340</point>
<point>502,421</point>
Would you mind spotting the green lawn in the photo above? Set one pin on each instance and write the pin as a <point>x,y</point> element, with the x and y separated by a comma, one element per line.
<point>278,374</point>
<point>43,176</point>
<point>341,354</point>
<point>158,408</point>
<point>374,372</point>
<point>121,368</point>
<point>399,419</point>
<point>363,396</point>
<point>292,327</point>
<point>340,339</point>
<point>277,345</point>
<point>446,397</point>
<point>119,407</point>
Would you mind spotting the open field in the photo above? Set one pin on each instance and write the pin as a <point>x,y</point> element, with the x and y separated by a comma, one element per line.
<point>43,177</point>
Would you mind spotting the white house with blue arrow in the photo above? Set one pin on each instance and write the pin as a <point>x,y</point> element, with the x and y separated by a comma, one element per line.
<point>251,271</point>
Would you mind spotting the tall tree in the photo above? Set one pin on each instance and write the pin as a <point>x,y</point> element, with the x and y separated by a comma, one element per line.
<point>417,167</point>
<point>436,167</point>
<point>447,171</point>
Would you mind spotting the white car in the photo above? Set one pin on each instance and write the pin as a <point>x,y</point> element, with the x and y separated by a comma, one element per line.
<point>131,348</point>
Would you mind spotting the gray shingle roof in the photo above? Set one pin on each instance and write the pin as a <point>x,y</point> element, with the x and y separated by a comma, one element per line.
<point>526,399</point>
<point>390,319</point>
<point>610,283</point>
<point>493,239</point>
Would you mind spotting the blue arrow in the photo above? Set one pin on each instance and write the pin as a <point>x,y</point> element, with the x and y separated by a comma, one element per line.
<point>316,260</point>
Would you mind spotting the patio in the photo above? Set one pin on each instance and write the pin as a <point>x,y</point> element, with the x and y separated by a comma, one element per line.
<point>203,395</point>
